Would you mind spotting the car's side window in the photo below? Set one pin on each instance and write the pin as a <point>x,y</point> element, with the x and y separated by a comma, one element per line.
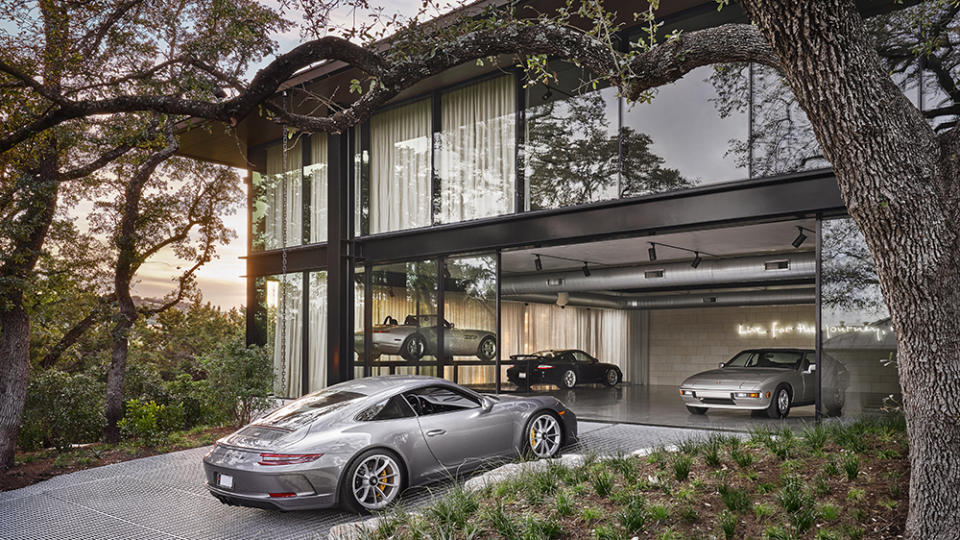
<point>583,357</point>
<point>439,399</point>
<point>781,359</point>
<point>388,409</point>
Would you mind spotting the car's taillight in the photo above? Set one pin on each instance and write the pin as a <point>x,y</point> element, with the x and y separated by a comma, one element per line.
<point>287,459</point>
<point>544,366</point>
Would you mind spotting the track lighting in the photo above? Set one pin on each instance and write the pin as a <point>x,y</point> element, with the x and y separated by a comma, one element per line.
<point>652,251</point>
<point>800,239</point>
<point>538,263</point>
<point>586,270</point>
<point>696,259</point>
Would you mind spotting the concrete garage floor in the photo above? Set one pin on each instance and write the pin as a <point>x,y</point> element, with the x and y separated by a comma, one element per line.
<point>163,497</point>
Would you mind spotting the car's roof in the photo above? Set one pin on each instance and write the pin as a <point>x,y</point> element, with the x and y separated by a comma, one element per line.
<point>775,349</point>
<point>374,385</point>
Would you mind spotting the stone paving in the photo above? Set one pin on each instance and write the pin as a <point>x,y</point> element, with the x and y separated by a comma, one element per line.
<point>163,497</point>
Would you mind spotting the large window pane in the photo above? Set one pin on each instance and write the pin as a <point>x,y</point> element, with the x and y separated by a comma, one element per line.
<point>470,308</point>
<point>268,206</point>
<point>317,359</point>
<point>400,170</point>
<point>317,173</point>
<point>476,161</point>
<point>859,344</point>
<point>571,142</point>
<point>281,313</point>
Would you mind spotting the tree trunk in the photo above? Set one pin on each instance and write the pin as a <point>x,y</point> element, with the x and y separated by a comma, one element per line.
<point>118,368</point>
<point>902,188</point>
<point>14,370</point>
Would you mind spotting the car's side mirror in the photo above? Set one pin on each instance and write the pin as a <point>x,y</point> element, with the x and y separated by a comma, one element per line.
<point>721,364</point>
<point>810,369</point>
<point>486,404</point>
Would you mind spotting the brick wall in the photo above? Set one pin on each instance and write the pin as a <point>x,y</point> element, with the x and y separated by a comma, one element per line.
<point>687,341</point>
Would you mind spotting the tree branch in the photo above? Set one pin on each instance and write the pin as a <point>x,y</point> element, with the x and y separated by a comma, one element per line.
<point>99,313</point>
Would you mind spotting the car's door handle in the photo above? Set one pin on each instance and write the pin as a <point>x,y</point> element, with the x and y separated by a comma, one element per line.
<point>435,432</point>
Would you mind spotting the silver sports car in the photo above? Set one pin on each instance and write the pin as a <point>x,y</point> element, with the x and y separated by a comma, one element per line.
<point>359,444</point>
<point>766,380</point>
<point>417,336</point>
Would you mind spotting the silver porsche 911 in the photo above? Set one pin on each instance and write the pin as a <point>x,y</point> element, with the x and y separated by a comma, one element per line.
<point>417,336</point>
<point>767,381</point>
<point>360,443</point>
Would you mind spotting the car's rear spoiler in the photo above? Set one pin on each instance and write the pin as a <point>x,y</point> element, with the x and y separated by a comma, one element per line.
<point>524,357</point>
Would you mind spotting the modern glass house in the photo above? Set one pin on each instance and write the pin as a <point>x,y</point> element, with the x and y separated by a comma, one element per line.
<point>662,237</point>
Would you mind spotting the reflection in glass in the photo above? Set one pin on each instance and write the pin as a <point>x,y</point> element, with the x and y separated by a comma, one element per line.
<point>400,154</point>
<point>358,322</point>
<point>268,199</point>
<point>856,329</point>
<point>317,359</point>
<point>281,303</point>
<point>477,151</point>
<point>470,308</point>
<point>317,173</point>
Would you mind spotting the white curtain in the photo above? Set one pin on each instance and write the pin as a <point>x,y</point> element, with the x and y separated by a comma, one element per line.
<point>317,363</point>
<point>317,172</point>
<point>273,193</point>
<point>401,151</point>
<point>287,328</point>
<point>477,150</point>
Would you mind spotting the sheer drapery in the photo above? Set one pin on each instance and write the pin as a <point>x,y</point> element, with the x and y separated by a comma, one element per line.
<point>477,146</point>
<point>401,150</point>
<point>317,172</point>
<point>317,362</point>
<point>287,367</point>
<point>271,191</point>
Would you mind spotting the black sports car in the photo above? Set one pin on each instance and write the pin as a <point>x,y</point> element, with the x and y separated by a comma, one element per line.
<point>564,368</point>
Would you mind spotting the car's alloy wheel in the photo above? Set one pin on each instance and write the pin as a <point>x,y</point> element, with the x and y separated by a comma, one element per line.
<point>780,403</point>
<point>413,348</point>
<point>487,349</point>
<point>544,435</point>
<point>611,378</point>
<point>568,379</point>
<point>375,481</point>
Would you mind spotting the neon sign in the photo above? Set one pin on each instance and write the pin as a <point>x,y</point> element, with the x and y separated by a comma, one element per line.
<point>775,329</point>
<point>878,331</point>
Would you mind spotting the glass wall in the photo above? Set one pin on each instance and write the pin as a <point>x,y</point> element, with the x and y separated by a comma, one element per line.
<point>280,315</point>
<point>477,151</point>
<point>571,142</point>
<point>400,168</point>
<point>269,198</point>
<point>859,373</point>
<point>316,172</point>
<point>317,353</point>
<point>470,319</point>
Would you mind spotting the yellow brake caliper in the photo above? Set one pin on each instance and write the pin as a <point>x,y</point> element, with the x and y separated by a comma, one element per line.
<point>533,437</point>
<point>383,478</point>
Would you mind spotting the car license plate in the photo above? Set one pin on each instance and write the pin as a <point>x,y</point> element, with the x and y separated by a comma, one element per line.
<point>522,375</point>
<point>226,481</point>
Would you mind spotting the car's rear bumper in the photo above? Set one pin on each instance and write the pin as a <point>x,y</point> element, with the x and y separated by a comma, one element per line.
<point>724,399</point>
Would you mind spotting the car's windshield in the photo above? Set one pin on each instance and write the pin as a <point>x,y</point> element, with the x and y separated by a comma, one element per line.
<point>309,408</point>
<point>766,359</point>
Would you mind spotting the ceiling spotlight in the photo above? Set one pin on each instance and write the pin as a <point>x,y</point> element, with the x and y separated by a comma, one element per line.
<point>538,263</point>
<point>586,270</point>
<point>800,239</point>
<point>696,259</point>
<point>652,251</point>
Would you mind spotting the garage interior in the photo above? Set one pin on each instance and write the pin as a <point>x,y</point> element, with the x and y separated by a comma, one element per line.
<point>663,308</point>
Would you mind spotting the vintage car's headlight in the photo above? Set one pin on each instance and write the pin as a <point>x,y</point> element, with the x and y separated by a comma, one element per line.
<point>687,392</point>
<point>753,395</point>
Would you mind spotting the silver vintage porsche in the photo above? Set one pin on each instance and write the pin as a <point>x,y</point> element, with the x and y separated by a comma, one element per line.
<point>360,443</point>
<point>767,381</point>
<point>417,337</point>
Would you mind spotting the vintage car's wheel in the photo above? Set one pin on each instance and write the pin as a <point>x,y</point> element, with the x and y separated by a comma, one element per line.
<point>611,377</point>
<point>487,348</point>
<point>779,402</point>
<point>543,435</point>
<point>696,410</point>
<point>835,407</point>
<point>413,348</point>
<point>372,481</point>
<point>568,379</point>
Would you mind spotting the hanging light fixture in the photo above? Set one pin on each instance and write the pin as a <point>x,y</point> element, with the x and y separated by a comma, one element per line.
<point>538,263</point>
<point>696,259</point>
<point>586,270</point>
<point>800,239</point>
<point>652,251</point>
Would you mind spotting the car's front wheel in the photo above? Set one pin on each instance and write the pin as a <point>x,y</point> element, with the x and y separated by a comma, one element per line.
<point>543,435</point>
<point>413,348</point>
<point>568,379</point>
<point>611,377</point>
<point>373,480</point>
<point>779,402</point>
<point>696,410</point>
<point>487,348</point>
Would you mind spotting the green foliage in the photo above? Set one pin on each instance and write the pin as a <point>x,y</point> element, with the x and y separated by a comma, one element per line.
<point>61,409</point>
<point>563,504</point>
<point>149,422</point>
<point>829,511</point>
<point>711,451</point>
<point>602,482</point>
<point>728,524</point>
<point>240,378</point>
<point>851,465</point>
<point>681,467</point>
<point>736,499</point>
<point>742,457</point>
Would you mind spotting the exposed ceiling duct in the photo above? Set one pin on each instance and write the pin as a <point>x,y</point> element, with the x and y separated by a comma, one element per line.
<point>711,272</point>
<point>745,298</point>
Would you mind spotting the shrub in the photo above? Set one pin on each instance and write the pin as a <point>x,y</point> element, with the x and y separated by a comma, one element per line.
<point>728,524</point>
<point>736,499</point>
<point>603,482</point>
<point>147,421</point>
<point>681,467</point>
<point>240,379</point>
<point>851,465</point>
<point>195,398</point>
<point>61,409</point>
